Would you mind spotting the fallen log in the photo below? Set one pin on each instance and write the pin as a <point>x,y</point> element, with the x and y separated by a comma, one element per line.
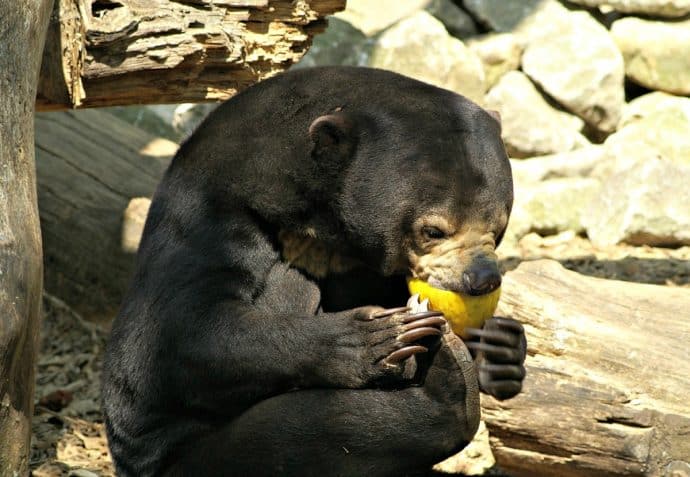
<point>90,165</point>
<point>108,52</point>
<point>608,385</point>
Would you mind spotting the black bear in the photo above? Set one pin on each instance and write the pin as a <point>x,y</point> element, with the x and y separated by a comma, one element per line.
<point>265,331</point>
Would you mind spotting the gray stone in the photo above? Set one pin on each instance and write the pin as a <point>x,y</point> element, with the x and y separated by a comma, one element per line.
<point>660,8</point>
<point>146,118</point>
<point>340,44</point>
<point>661,135</point>
<point>406,48</point>
<point>160,147</point>
<point>374,17</point>
<point>646,204</point>
<point>652,103</point>
<point>578,163</point>
<point>171,121</point>
<point>456,20</point>
<point>501,15</point>
<point>499,54</point>
<point>532,127</point>
<point>133,221</point>
<point>657,54</point>
<point>549,207</point>
<point>545,19</point>
<point>580,67</point>
<point>187,116</point>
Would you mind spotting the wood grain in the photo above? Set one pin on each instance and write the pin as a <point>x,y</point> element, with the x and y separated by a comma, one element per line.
<point>164,51</point>
<point>608,385</point>
<point>23,28</point>
<point>90,165</point>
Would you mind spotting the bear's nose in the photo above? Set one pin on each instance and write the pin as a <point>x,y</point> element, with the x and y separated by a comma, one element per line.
<point>482,279</point>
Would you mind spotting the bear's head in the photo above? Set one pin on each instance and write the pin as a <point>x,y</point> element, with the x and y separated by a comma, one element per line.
<point>424,189</point>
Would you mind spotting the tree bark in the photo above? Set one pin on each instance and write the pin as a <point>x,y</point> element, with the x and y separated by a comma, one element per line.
<point>106,52</point>
<point>608,377</point>
<point>22,33</point>
<point>90,165</point>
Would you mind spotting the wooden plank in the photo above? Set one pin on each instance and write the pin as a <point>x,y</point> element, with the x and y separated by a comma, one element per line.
<point>165,51</point>
<point>608,376</point>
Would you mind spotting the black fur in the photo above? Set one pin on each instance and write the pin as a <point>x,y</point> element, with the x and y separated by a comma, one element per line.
<point>226,361</point>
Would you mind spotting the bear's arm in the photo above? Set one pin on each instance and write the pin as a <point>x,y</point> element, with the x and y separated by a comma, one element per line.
<point>248,355</point>
<point>231,324</point>
<point>232,354</point>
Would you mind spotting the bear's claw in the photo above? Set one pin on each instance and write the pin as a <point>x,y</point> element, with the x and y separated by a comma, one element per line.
<point>398,356</point>
<point>434,320</point>
<point>413,317</point>
<point>419,333</point>
<point>389,312</point>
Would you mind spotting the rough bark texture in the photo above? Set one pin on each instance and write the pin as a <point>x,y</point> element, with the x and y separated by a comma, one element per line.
<point>89,166</point>
<point>608,377</point>
<point>22,33</point>
<point>107,52</point>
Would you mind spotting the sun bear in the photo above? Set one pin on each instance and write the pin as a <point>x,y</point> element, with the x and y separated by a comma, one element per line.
<point>266,330</point>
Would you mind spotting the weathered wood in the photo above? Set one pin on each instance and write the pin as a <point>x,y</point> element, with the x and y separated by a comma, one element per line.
<point>90,165</point>
<point>23,28</point>
<point>608,385</point>
<point>105,52</point>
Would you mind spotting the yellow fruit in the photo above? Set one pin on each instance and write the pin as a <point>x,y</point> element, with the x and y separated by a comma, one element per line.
<point>462,311</point>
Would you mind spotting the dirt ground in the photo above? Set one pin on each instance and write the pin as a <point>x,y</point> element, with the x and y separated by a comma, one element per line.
<point>68,434</point>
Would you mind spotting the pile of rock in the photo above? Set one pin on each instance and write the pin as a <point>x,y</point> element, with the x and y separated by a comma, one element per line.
<point>588,90</point>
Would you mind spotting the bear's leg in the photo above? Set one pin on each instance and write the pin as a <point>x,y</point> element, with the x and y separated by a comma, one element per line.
<point>337,432</point>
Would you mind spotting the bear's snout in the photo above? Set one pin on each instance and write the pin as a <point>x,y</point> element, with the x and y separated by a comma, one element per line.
<point>475,273</point>
<point>481,277</point>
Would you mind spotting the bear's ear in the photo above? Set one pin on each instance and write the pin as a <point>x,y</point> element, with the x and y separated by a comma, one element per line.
<point>330,130</point>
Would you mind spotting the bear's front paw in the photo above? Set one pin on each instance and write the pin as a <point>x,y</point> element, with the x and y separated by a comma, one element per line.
<point>374,345</point>
<point>500,355</point>
<point>408,327</point>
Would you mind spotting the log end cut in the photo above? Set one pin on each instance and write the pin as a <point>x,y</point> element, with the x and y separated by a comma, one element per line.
<point>105,53</point>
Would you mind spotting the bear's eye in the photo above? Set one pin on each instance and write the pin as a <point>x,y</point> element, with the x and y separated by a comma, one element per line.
<point>433,233</point>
